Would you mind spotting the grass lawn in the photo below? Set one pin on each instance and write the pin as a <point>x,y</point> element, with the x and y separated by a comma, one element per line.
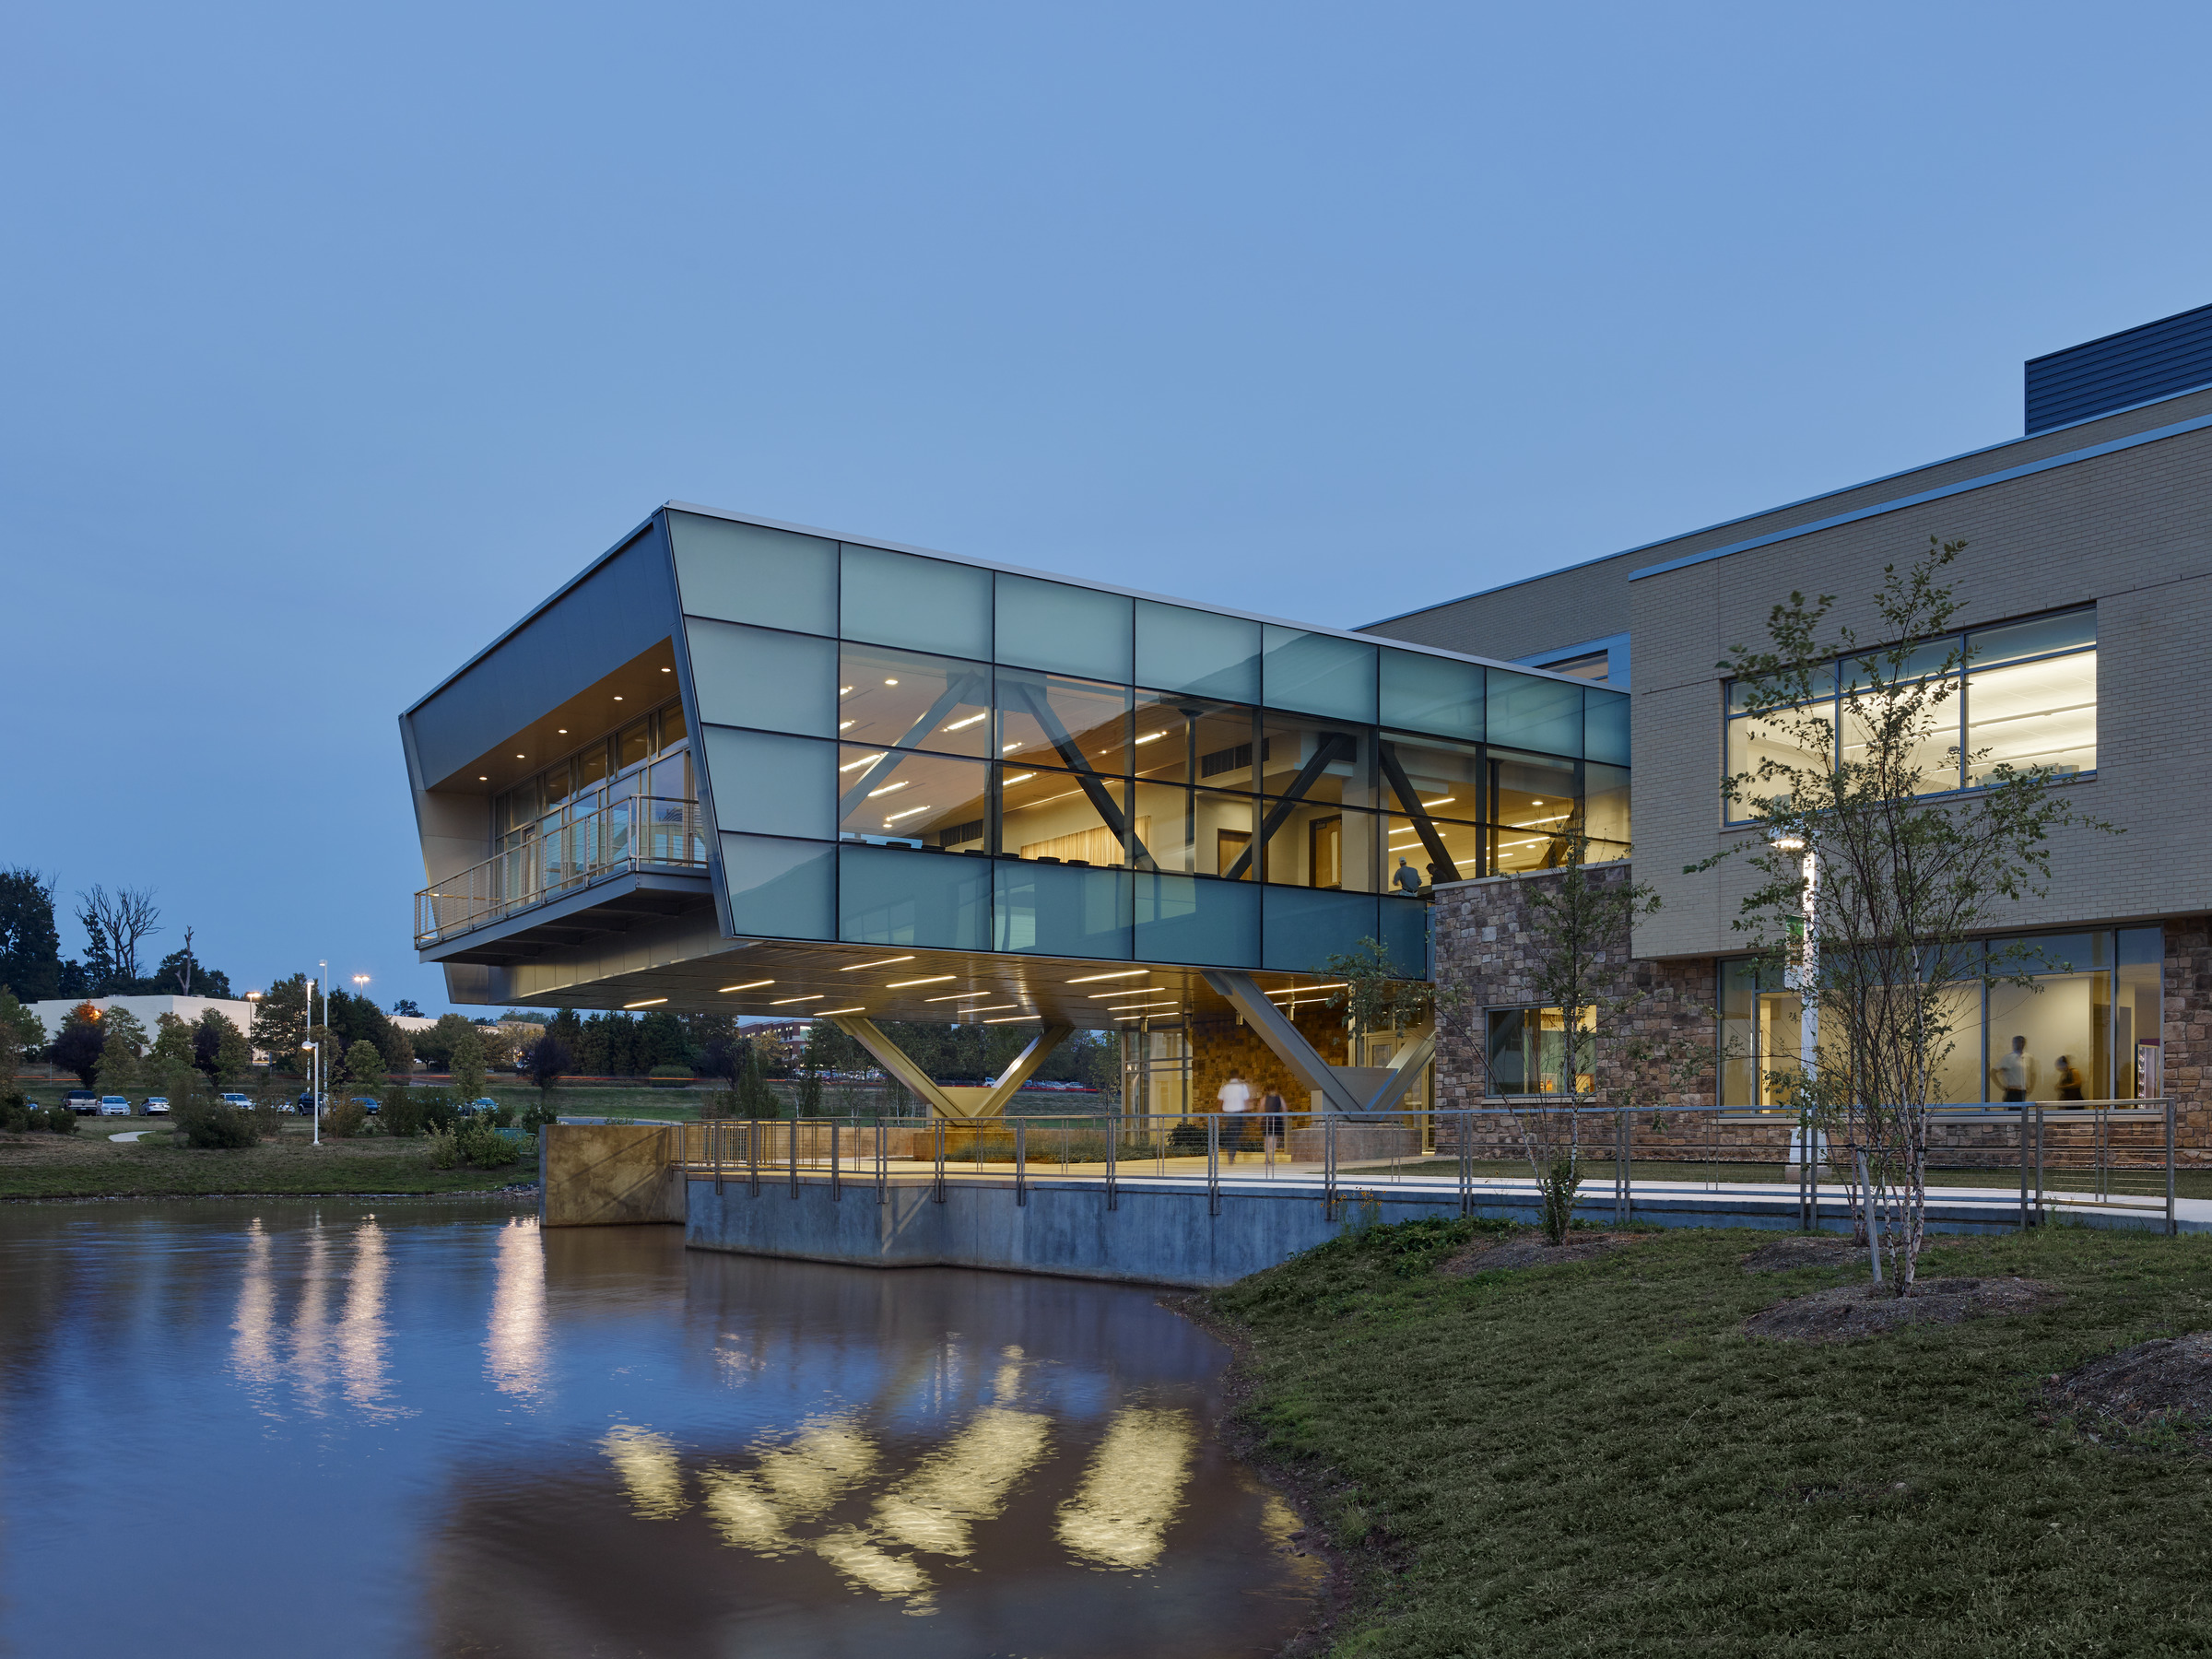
<point>1591,1458</point>
<point>85,1166</point>
<point>1597,1173</point>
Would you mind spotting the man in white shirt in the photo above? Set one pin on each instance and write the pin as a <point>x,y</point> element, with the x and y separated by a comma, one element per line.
<point>2015,1075</point>
<point>1236,1100</point>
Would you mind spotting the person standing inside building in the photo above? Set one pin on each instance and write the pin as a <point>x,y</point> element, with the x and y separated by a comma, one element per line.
<point>1408,880</point>
<point>2069,1082</point>
<point>1235,1100</point>
<point>2015,1075</point>
<point>1273,1115</point>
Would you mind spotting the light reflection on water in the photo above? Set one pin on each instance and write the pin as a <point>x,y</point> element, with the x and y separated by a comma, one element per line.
<point>591,1441</point>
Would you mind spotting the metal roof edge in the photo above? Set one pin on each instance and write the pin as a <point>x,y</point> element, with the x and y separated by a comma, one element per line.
<point>2117,334</point>
<point>1897,504</point>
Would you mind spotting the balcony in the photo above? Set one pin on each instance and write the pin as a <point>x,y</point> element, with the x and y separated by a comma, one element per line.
<point>566,854</point>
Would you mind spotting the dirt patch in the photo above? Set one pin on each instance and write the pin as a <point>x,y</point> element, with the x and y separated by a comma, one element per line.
<point>1530,1249</point>
<point>1851,1311</point>
<point>2158,1392</point>
<point>1787,1254</point>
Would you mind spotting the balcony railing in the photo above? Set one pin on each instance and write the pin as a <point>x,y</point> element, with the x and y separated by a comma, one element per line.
<point>569,850</point>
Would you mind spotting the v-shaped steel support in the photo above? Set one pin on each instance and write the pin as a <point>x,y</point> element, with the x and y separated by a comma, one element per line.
<point>952,1100</point>
<point>1348,1089</point>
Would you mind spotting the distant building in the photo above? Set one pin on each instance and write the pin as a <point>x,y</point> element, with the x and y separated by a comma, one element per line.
<point>148,1010</point>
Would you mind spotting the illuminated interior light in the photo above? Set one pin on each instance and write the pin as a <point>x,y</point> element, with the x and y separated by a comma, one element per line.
<point>843,724</point>
<point>878,962</point>
<point>1010,1020</point>
<point>617,699</point>
<point>958,725</point>
<point>845,690</point>
<point>856,765</point>
<point>888,788</point>
<point>1447,801</point>
<point>1092,979</point>
<point>748,985</point>
<point>1020,778</point>
<point>784,1001</point>
<point>651,1002</point>
<point>960,996</point>
<point>667,671</point>
<point>990,1007</point>
<point>825,1013</point>
<point>891,682</point>
<point>1151,736</point>
<point>561,732</point>
<point>934,979</point>
<point>1305,989</point>
<point>897,816</point>
<point>1125,991</point>
<point>1008,748</point>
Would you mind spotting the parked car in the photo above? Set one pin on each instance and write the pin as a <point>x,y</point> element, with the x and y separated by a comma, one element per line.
<point>82,1102</point>
<point>305,1105</point>
<point>244,1102</point>
<point>481,1103</point>
<point>115,1106</point>
<point>367,1103</point>
<point>155,1105</point>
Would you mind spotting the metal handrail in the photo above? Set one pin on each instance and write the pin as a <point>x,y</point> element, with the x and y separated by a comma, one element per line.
<point>580,847</point>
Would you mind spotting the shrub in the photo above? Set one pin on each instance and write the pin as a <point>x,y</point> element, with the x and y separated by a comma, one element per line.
<point>343,1119</point>
<point>440,1111</point>
<point>402,1114</point>
<point>204,1122</point>
<point>60,1120</point>
<point>15,1113</point>
<point>497,1117</point>
<point>445,1150</point>
<point>669,1076</point>
<point>484,1146</point>
<point>536,1115</point>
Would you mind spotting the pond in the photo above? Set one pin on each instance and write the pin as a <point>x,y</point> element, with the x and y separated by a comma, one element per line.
<point>431,1427</point>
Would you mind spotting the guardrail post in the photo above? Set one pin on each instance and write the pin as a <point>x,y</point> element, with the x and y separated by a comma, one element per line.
<point>2039,1163</point>
<point>1212,1163</point>
<point>1466,1163</point>
<point>837,1176</point>
<point>2172,1226</point>
<point>794,1149</point>
<point>2023,1168</point>
<point>937,1192</point>
<point>1328,1166</point>
<point>882,1164</point>
<point>752,1155</point>
<point>1114,1135</point>
<point>1021,1165</point>
<point>714,1133</point>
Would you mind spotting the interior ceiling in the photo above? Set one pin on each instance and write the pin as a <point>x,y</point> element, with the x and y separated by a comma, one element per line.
<point>640,686</point>
<point>888,982</point>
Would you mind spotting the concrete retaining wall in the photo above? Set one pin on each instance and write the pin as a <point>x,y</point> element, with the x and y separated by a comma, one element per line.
<point>608,1175</point>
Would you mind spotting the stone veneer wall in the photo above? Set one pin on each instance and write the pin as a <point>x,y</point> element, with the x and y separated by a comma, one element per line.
<point>2187,984</point>
<point>1485,947</point>
<point>1220,1048</point>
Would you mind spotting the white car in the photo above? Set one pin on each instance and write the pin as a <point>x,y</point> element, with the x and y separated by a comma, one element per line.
<point>246,1101</point>
<point>115,1106</point>
<point>156,1105</point>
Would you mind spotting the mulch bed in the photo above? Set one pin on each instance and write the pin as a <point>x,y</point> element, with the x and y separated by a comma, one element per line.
<point>1530,1249</point>
<point>1787,1254</point>
<point>1850,1313</point>
<point>2158,1391</point>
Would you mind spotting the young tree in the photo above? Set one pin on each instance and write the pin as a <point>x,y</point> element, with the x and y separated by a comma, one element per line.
<point>1377,995</point>
<point>22,1035</point>
<point>120,1069</point>
<point>78,1044</point>
<point>219,1048</point>
<point>31,947</point>
<point>398,1050</point>
<point>365,1065</point>
<point>172,1046</point>
<point>121,1022</point>
<point>466,1061</point>
<point>1874,925</point>
<point>281,1023</point>
<point>547,1061</point>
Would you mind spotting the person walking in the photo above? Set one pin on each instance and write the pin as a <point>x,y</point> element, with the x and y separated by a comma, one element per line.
<point>2069,1082</point>
<point>1272,1115</point>
<point>2014,1076</point>
<point>1235,1097</point>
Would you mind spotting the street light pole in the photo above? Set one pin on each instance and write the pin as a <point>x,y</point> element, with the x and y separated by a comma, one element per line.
<point>1802,976</point>
<point>314,1094</point>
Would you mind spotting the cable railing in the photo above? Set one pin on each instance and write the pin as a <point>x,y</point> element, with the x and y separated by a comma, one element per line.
<point>569,852</point>
<point>2024,1164</point>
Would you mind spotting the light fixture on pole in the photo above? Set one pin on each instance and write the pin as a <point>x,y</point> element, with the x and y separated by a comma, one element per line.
<point>313,1092</point>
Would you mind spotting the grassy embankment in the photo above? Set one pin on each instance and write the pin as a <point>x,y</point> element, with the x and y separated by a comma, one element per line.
<point>89,1164</point>
<point>1592,1457</point>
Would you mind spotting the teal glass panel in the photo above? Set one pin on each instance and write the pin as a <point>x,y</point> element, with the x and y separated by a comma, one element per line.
<point>906,699</point>
<point>779,889</point>
<point>1405,937</point>
<point>926,604</point>
<point>1071,629</point>
<point>892,896</point>
<point>1059,911</point>
<point>759,677</point>
<point>748,573</point>
<point>1533,713</point>
<point>2070,631</point>
<point>1304,928</point>
<point>1433,694</point>
<point>1190,919</point>
<point>1317,673</point>
<point>1179,650</point>
<point>1746,694</point>
<point>1605,726</point>
<point>768,784</point>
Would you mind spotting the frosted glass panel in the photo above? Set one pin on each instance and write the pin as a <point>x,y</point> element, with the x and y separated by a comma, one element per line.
<point>890,896</point>
<point>928,604</point>
<point>778,889</point>
<point>1606,728</point>
<point>1189,919</point>
<point>1180,650</point>
<point>1305,928</point>
<point>1061,912</point>
<point>1433,694</point>
<point>1073,630</point>
<point>756,676</point>
<point>771,786</point>
<point>1318,674</point>
<point>1528,712</point>
<point>747,573</point>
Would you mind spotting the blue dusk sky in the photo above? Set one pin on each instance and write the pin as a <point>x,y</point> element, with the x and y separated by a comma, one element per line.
<point>338,336</point>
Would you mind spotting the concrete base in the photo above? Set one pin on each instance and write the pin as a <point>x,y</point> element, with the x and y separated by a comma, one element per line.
<point>608,1174</point>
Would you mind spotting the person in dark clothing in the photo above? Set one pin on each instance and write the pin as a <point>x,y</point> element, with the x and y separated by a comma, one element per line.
<point>2069,1082</point>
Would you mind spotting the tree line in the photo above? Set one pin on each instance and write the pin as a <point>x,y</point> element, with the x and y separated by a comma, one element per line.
<point>117,928</point>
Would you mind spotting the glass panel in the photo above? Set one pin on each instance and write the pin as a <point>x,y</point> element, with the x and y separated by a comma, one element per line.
<point>1413,866</point>
<point>1321,846</point>
<point>672,778</point>
<point>2065,631</point>
<point>668,726</point>
<point>1532,792</point>
<point>1317,673</point>
<point>1958,1074</point>
<point>1606,728</point>
<point>1512,851</point>
<point>778,889</point>
<point>1181,650</point>
<point>750,573</point>
<point>555,781</point>
<point>1922,662</point>
<point>1316,760</point>
<point>771,786</point>
<point>1433,694</point>
<point>1073,630</point>
<point>1535,713</point>
<point>1445,777</point>
<point>1190,919</point>
<point>1594,665</point>
<point>1186,739</point>
<point>1065,817</point>
<point>923,800</point>
<point>904,700</point>
<point>520,805</point>
<point>1061,911</point>
<point>1197,832</point>
<point>1932,755</point>
<point>2138,1023</point>
<point>1305,927</point>
<point>634,744</point>
<point>1755,741</point>
<point>1051,719</point>
<point>1606,809</point>
<point>1405,937</point>
<point>1525,1051</point>
<point>890,896</point>
<point>2033,714</point>
<point>754,676</point>
<point>2051,1042</point>
<point>591,766</point>
<point>928,604</point>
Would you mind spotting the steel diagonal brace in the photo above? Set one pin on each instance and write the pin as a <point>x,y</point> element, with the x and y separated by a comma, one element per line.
<point>1289,1044</point>
<point>953,696</point>
<point>1086,777</point>
<point>966,1103</point>
<point>1334,746</point>
<point>1440,857</point>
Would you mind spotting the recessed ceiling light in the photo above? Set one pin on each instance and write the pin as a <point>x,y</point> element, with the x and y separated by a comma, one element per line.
<point>618,700</point>
<point>1092,979</point>
<point>893,682</point>
<point>780,1001</point>
<point>884,962</point>
<point>748,985</point>
<point>957,996</point>
<point>856,1008</point>
<point>1010,1020</point>
<point>667,671</point>
<point>651,1002</point>
<point>561,731</point>
<point>1125,991</point>
<point>521,757</point>
<point>934,979</point>
<point>482,779</point>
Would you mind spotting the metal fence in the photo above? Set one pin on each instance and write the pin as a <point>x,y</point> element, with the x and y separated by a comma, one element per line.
<point>571,850</point>
<point>2036,1159</point>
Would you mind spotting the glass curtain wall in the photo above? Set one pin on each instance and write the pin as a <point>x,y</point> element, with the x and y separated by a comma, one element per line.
<point>578,815</point>
<point>2027,697</point>
<point>1022,764</point>
<point>2075,1032</point>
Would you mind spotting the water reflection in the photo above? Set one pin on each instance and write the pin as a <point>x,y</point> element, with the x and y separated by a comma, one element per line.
<point>718,1454</point>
